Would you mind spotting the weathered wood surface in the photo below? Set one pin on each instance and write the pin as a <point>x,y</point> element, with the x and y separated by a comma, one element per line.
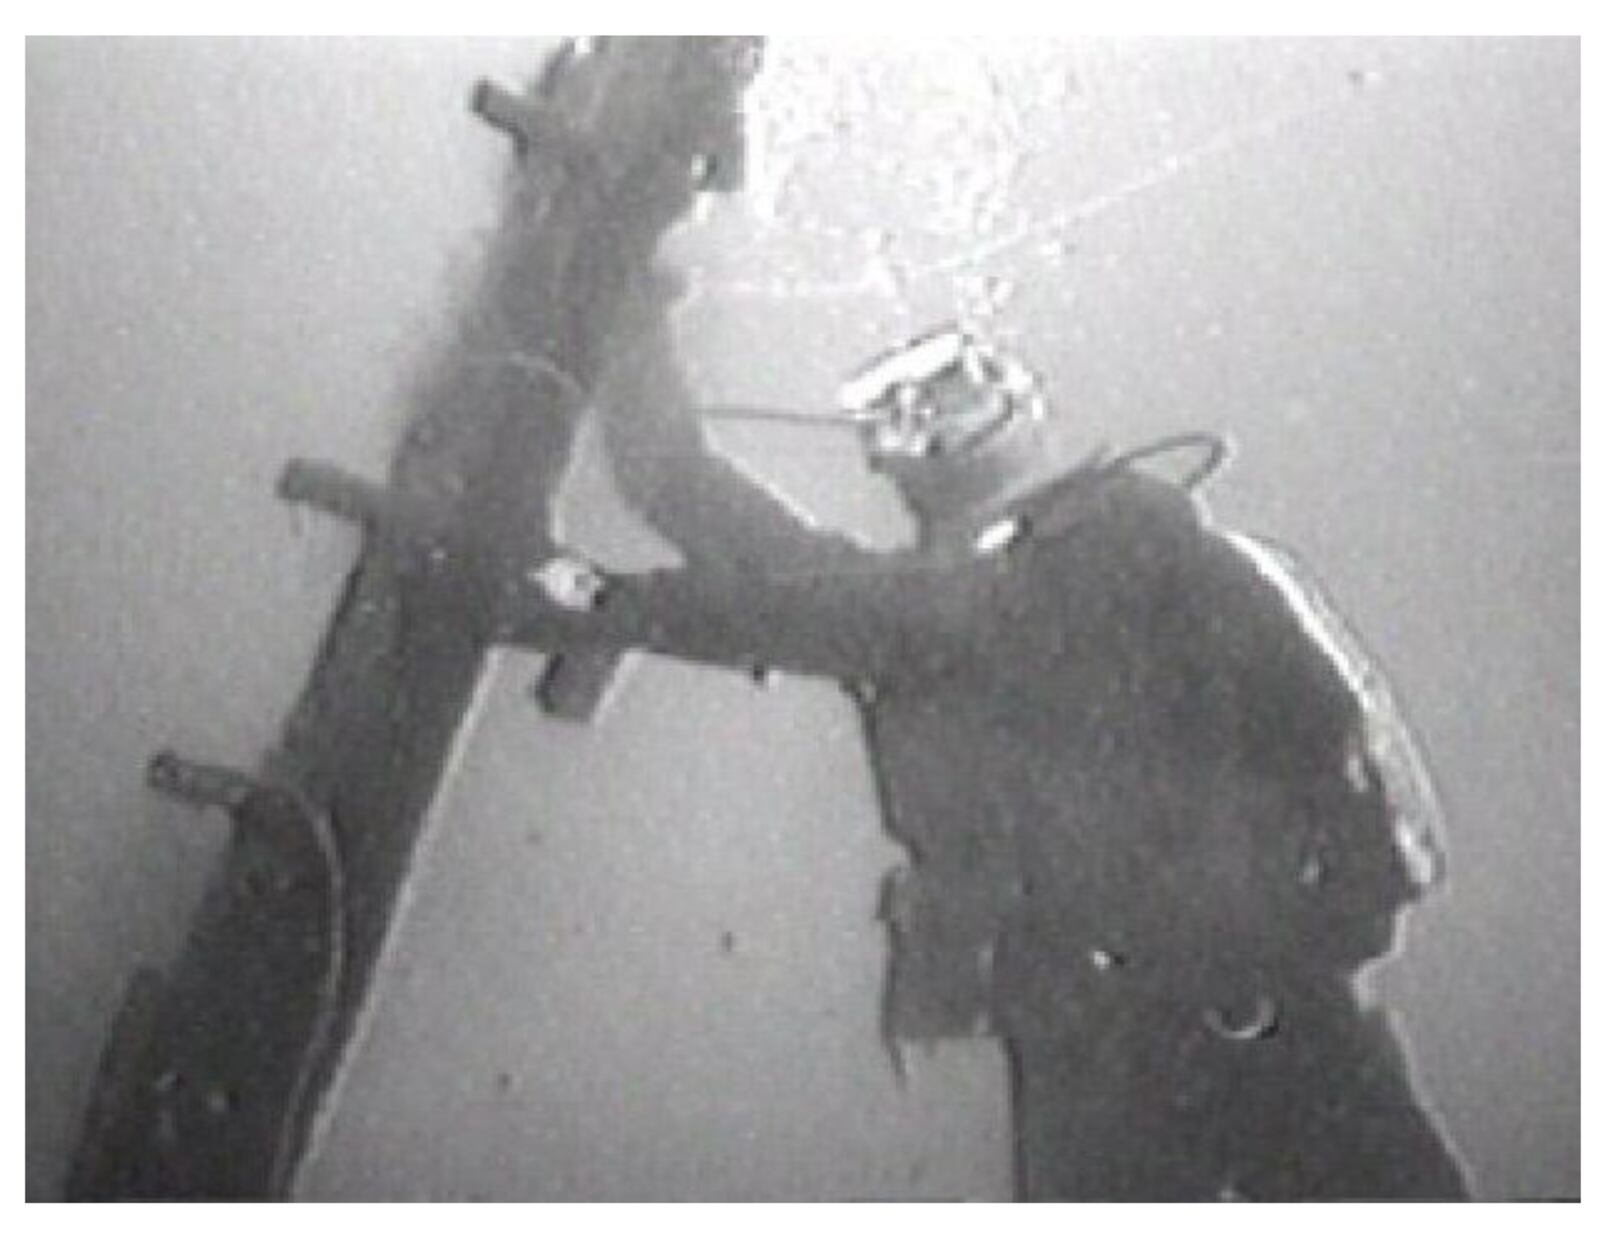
<point>214,1076</point>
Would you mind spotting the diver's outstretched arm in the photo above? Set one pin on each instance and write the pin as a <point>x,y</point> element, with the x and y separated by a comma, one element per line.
<point>848,626</point>
<point>671,475</point>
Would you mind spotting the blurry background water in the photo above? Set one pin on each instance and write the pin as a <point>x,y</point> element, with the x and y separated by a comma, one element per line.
<point>639,959</point>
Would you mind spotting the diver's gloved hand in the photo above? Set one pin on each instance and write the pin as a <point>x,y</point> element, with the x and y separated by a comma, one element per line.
<point>569,582</point>
<point>554,604</point>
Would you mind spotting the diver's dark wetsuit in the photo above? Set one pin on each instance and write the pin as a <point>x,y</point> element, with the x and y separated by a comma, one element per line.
<point>1155,827</point>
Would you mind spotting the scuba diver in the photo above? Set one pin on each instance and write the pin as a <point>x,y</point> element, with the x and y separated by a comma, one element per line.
<point>1159,808</point>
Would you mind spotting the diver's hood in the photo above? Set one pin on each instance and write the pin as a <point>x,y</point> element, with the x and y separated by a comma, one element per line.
<point>952,397</point>
<point>945,393</point>
<point>942,394</point>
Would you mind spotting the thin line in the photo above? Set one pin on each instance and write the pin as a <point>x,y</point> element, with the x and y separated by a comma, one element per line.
<point>884,270</point>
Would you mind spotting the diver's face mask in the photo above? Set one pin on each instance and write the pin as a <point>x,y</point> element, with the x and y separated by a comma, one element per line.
<point>944,395</point>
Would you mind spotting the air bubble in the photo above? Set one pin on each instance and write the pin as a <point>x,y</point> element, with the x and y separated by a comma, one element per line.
<point>984,296</point>
<point>1054,248</point>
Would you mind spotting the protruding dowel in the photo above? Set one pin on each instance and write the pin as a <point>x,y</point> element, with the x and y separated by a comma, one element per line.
<point>329,488</point>
<point>199,784</point>
<point>574,686</point>
<point>536,128</point>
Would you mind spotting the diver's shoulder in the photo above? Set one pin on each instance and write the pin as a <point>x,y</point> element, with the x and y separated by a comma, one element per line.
<point>1152,486</point>
<point>1112,500</point>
